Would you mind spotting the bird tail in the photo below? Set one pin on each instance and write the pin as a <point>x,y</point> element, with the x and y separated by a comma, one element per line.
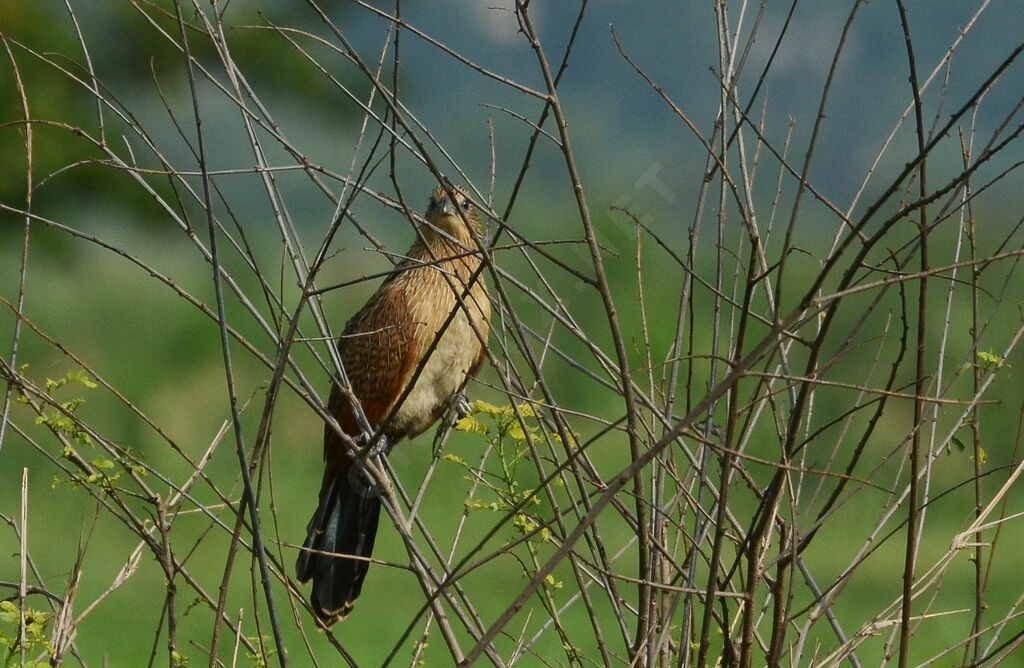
<point>345,523</point>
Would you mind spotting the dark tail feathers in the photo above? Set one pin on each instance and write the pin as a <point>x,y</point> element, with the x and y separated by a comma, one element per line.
<point>345,522</point>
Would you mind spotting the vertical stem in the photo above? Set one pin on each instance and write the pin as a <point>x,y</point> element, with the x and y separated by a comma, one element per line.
<point>914,509</point>
<point>248,501</point>
<point>23,564</point>
<point>23,270</point>
<point>979,502</point>
<point>622,357</point>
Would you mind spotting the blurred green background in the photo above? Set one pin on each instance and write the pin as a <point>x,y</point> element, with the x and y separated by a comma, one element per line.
<point>163,355</point>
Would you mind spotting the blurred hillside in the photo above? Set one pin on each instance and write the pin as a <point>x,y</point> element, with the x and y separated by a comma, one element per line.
<point>625,136</point>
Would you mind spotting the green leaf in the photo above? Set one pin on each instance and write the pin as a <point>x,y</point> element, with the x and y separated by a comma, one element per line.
<point>989,361</point>
<point>455,459</point>
<point>9,613</point>
<point>515,431</point>
<point>81,378</point>
<point>471,425</point>
<point>479,406</point>
<point>526,410</point>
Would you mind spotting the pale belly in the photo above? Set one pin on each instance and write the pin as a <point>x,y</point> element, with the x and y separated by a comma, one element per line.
<point>443,375</point>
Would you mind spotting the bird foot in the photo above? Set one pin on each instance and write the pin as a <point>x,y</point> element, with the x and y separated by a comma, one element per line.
<point>458,406</point>
<point>381,446</point>
<point>358,479</point>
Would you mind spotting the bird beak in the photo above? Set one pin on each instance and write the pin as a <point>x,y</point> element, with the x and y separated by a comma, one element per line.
<point>447,206</point>
<point>443,207</point>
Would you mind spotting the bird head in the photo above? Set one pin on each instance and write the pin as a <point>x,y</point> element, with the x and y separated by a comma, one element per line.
<point>448,213</point>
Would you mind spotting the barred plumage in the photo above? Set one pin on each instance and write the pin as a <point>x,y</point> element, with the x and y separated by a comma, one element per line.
<point>382,348</point>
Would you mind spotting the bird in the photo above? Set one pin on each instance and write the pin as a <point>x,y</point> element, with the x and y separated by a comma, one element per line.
<point>408,354</point>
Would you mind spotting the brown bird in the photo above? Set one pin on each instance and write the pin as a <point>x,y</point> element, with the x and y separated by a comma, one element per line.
<point>426,327</point>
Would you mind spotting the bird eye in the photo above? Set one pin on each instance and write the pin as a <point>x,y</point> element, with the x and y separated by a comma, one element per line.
<point>466,204</point>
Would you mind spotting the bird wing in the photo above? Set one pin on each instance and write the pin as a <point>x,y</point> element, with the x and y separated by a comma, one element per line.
<point>379,350</point>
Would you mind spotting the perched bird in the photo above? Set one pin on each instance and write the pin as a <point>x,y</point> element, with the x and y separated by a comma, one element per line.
<point>426,327</point>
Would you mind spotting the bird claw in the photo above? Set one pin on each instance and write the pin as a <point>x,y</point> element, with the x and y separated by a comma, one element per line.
<point>459,406</point>
<point>381,446</point>
<point>358,479</point>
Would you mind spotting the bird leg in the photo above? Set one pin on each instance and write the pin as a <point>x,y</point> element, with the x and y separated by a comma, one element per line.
<point>458,406</point>
<point>381,446</point>
<point>358,480</point>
